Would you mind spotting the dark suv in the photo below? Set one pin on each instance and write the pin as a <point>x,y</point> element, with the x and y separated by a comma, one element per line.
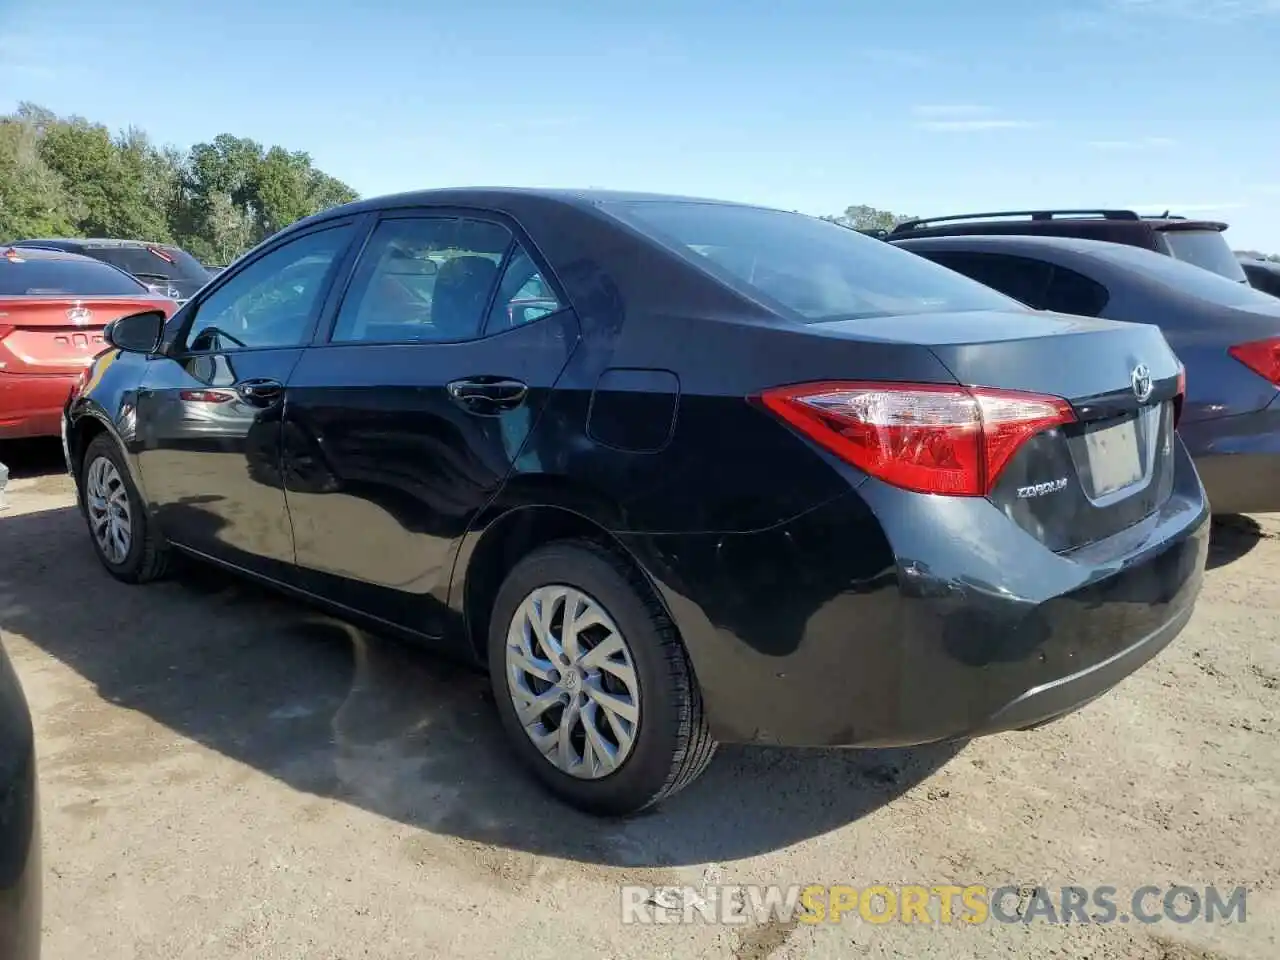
<point>1263,274</point>
<point>168,270</point>
<point>1199,242</point>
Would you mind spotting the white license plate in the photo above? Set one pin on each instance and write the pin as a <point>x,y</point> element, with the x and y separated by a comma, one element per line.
<point>1114,462</point>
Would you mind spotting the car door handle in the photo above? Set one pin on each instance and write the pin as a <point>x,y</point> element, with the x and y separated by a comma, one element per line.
<point>487,396</point>
<point>261,391</point>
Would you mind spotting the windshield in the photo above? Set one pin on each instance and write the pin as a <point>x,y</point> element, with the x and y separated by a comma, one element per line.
<point>1195,281</point>
<point>46,277</point>
<point>1204,248</point>
<point>813,268</point>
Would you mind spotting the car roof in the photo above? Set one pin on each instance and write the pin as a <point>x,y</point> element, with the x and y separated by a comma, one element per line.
<point>1028,244</point>
<point>95,241</point>
<point>44,253</point>
<point>507,198</point>
<point>1270,266</point>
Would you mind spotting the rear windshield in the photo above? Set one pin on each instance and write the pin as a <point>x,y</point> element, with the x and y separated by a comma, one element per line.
<point>1194,281</point>
<point>151,263</point>
<point>1204,248</point>
<point>64,278</point>
<point>813,268</point>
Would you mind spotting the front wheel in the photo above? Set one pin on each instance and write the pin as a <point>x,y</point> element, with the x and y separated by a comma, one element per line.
<point>124,538</point>
<point>593,686</point>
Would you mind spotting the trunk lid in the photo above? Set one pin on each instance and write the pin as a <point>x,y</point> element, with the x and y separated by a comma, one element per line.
<point>60,335</point>
<point>1087,480</point>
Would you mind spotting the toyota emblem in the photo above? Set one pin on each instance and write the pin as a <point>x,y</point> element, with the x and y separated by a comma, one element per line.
<point>1141,380</point>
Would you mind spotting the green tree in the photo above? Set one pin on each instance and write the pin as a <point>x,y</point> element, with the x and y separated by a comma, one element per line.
<point>66,176</point>
<point>863,217</point>
<point>33,202</point>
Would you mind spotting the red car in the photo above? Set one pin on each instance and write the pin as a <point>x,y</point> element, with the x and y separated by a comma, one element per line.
<point>53,306</point>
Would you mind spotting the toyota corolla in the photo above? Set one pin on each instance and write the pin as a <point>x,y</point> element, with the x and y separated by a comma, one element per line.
<point>675,472</point>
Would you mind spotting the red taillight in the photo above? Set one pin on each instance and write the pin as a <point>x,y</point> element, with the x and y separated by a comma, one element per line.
<point>1260,356</point>
<point>930,438</point>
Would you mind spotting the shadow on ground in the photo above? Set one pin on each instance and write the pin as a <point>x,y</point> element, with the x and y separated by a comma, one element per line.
<point>32,458</point>
<point>1233,536</point>
<point>332,710</point>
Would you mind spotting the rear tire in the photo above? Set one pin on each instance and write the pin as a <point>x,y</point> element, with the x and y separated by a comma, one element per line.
<point>123,535</point>
<point>639,671</point>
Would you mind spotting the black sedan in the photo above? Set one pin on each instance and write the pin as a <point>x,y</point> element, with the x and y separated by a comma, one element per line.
<point>676,471</point>
<point>20,878</point>
<point>1227,334</point>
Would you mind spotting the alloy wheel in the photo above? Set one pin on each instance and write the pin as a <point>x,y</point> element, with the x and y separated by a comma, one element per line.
<point>110,518</point>
<point>572,681</point>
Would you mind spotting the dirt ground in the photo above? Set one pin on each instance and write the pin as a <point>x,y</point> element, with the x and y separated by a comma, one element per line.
<point>229,774</point>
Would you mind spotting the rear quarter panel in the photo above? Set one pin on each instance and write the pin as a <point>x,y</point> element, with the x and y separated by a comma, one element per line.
<point>106,399</point>
<point>1218,385</point>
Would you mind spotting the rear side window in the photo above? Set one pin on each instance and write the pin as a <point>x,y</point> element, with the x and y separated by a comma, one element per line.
<point>1027,281</point>
<point>1036,283</point>
<point>1203,248</point>
<point>816,270</point>
<point>1071,292</point>
<point>43,277</point>
<point>523,295</point>
<point>423,279</point>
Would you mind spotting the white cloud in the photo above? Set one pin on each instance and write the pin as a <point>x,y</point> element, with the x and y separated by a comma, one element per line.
<point>974,126</point>
<point>965,118</point>
<point>952,110</point>
<point>1140,143</point>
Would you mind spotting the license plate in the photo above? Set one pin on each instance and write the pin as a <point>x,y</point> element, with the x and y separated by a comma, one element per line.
<point>1114,462</point>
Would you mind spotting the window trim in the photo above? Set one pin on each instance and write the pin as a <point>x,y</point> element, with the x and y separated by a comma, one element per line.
<point>324,332</point>
<point>175,343</point>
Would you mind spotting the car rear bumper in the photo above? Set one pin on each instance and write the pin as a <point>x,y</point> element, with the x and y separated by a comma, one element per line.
<point>31,404</point>
<point>1239,459</point>
<point>819,632</point>
<point>1242,482</point>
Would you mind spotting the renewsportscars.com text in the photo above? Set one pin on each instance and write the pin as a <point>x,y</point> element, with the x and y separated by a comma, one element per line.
<point>932,904</point>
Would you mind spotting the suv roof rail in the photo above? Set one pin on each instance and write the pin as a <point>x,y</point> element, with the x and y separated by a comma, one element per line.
<point>1033,214</point>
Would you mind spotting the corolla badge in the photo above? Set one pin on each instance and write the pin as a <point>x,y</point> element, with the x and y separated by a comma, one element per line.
<point>1141,381</point>
<point>79,314</point>
<point>1040,489</point>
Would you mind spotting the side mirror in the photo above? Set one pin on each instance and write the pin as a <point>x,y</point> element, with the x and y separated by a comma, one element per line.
<point>136,333</point>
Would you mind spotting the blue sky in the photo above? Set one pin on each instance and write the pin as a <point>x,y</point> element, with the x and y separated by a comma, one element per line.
<point>919,106</point>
